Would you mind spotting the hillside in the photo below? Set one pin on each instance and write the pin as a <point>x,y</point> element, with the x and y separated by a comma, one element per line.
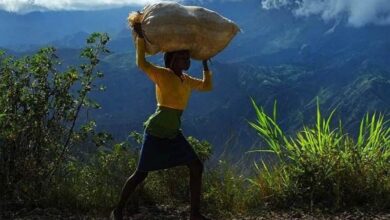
<point>278,56</point>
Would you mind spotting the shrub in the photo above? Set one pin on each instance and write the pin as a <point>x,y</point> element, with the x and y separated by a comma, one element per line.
<point>96,183</point>
<point>38,113</point>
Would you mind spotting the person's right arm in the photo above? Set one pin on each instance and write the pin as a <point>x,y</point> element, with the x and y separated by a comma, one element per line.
<point>152,71</point>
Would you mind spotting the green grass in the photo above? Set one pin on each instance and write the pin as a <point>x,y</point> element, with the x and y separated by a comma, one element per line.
<point>324,166</point>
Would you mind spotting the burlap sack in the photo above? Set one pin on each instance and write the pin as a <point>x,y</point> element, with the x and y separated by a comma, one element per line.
<point>169,26</point>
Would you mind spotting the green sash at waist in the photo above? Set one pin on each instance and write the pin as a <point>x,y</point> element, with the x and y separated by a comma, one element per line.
<point>164,123</point>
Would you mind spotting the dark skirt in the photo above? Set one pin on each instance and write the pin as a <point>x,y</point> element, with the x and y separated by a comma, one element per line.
<point>162,153</point>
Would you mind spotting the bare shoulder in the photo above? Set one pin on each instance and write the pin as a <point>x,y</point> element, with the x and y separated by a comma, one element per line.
<point>160,69</point>
<point>162,72</point>
<point>187,75</point>
<point>165,69</point>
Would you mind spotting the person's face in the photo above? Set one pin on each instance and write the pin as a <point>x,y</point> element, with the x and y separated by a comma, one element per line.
<point>182,60</point>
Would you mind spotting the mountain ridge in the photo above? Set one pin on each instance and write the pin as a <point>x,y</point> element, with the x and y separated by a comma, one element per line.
<point>278,56</point>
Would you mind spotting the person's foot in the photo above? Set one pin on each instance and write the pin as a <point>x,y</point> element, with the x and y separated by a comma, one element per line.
<point>116,214</point>
<point>198,217</point>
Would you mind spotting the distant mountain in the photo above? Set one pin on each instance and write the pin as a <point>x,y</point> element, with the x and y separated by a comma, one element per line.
<point>76,40</point>
<point>221,116</point>
<point>277,57</point>
<point>39,28</point>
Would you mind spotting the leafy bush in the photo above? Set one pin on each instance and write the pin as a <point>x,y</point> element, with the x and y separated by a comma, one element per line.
<point>96,183</point>
<point>323,166</point>
<point>38,113</point>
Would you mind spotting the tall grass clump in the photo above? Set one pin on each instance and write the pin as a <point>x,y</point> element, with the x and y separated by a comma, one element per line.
<point>323,166</point>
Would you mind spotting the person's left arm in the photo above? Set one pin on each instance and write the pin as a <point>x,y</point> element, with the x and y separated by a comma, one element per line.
<point>206,83</point>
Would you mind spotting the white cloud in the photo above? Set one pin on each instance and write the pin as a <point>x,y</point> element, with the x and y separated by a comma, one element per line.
<point>23,6</point>
<point>358,12</point>
<point>275,4</point>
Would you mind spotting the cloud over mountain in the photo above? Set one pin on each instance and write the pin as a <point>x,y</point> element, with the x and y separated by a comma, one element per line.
<point>24,6</point>
<point>358,12</point>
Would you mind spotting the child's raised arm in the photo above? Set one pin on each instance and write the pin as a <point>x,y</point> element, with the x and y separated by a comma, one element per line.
<point>150,69</point>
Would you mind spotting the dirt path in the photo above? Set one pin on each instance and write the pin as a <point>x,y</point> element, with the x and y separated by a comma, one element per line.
<point>162,212</point>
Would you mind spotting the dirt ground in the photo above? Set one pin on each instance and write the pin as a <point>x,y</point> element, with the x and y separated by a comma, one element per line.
<point>163,212</point>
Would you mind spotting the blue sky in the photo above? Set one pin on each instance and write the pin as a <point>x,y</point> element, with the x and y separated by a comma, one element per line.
<point>24,6</point>
<point>358,12</point>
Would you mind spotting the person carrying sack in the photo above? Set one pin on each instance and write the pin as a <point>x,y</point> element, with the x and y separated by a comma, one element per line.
<point>164,145</point>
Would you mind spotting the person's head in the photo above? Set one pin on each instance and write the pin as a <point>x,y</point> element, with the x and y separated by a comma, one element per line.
<point>177,60</point>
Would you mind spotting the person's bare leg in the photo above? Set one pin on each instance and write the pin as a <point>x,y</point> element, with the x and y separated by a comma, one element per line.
<point>131,183</point>
<point>196,170</point>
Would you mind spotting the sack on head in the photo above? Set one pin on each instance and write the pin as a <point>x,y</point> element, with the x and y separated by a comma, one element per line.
<point>169,26</point>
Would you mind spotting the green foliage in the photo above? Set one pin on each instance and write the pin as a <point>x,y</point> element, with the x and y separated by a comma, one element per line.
<point>323,166</point>
<point>202,148</point>
<point>42,151</point>
<point>42,157</point>
<point>95,183</point>
<point>226,192</point>
<point>38,113</point>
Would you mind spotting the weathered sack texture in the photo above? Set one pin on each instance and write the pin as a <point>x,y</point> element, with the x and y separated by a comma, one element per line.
<point>169,26</point>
